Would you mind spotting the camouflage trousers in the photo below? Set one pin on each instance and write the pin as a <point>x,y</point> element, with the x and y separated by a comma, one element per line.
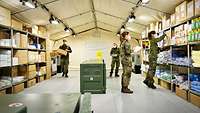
<point>152,70</point>
<point>64,65</point>
<point>127,70</point>
<point>115,62</point>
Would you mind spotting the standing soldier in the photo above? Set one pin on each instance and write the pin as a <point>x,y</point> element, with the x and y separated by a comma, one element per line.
<point>126,60</point>
<point>65,58</point>
<point>154,50</point>
<point>115,53</point>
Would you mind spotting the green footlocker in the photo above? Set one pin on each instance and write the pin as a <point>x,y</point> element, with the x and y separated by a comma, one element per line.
<point>93,77</point>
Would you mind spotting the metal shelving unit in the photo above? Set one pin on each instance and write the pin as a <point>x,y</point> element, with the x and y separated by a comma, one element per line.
<point>39,40</point>
<point>187,67</point>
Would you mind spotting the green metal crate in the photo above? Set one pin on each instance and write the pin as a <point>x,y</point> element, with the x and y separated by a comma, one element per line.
<point>93,77</point>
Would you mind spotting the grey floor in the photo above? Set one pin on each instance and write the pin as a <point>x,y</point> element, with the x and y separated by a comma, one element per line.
<point>143,100</point>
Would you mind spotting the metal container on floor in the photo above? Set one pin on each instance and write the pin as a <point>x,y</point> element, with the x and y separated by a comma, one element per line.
<point>93,76</point>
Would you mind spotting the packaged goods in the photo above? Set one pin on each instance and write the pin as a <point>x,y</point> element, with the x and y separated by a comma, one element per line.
<point>190,9</point>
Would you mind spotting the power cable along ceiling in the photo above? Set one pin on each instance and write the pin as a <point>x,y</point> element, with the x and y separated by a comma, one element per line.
<point>78,14</point>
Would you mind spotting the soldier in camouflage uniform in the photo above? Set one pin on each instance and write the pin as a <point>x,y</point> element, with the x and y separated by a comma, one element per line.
<point>115,53</point>
<point>65,58</point>
<point>154,50</point>
<point>126,60</point>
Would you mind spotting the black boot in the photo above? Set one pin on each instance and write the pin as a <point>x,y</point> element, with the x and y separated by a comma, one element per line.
<point>146,83</point>
<point>63,74</point>
<point>126,90</point>
<point>116,73</point>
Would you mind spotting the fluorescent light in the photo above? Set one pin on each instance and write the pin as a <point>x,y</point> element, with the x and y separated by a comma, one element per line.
<point>54,22</point>
<point>28,3</point>
<point>67,29</point>
<point>122,28</point>
<point>131,18</point>
<point>144,2</point>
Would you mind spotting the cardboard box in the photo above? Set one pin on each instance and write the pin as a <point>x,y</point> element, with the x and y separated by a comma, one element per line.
<point>183,11</point>
<point>197,7</point>
<point>31,83</point>
<point>17,38</point>
<point>5,17</point>
<point>182,93</point>
<point>32,68</point>
<point>35,29</point>
<point>61,52</point>
<point>194,99</point>
<point>22,56</point>
<point>32,57</point>
<point>177,12</point>
<point>31,74</point>
<point>23,70</point>
<point>18,88</point>
<point>165,84</point>
<point>23,41</point>
<point>2,92</point>
<point>15,61</point>
<point>4,35</point>
<point>16,24</point>
<point>14,71</point>
<point>173,19</point>
<point>190,9</point>
<point>42,31</point>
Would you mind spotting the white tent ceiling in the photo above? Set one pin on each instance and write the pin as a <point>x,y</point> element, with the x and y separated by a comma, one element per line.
<point>110,14</point>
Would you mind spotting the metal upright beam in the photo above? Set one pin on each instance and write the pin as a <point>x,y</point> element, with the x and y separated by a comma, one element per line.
<point>93,12</point>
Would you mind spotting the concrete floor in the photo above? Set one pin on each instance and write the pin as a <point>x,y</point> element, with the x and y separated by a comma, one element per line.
<point>143,100</point>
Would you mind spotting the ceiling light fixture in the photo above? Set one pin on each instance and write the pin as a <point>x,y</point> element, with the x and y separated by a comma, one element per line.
<point>29,3</point>
<point>53,20</point>
<point>122,28</point>
<point>67,29</point>
<point>131,17</point>
<point>118,33</point>
<point>145,2</point>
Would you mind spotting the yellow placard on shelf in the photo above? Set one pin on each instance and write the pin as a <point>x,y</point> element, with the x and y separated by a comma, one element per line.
<point>99,54</point>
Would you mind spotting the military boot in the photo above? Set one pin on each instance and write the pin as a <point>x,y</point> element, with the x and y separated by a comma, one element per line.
<point>146,83</point>
<point>111,72</point>
<point>126,90</point>
<point>116,74</point>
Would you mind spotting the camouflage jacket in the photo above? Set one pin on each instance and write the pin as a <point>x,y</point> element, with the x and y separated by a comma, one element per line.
<point>115,52</point>
<point>154,49</point>
<point>125,53</point>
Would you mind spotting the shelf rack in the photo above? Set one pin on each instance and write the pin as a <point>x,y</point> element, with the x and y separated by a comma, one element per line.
<point>189,46</point>
<point>39,40</point>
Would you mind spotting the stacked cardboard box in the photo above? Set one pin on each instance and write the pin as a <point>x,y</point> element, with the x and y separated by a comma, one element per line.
<point>42,70</point>
<point>31,82</point>
<point>5,58</point>
<point>173,19</point>
<point>2,92</point>
<point>31,71</point>
<point>23,41</point>
<point>18,88</point>
<point>14,71</point>
<point>22,71</point>
<point>16,24</point>
<point>4,35</point>
<point>35,29</point>
<point>22,56</point>
<point>32,57</point>
<point>17,38</point>
<point>5,39</point>
<point>42,57</point>
<point>197,7</point>
<point>190,9</point>
<point>183,11</point>
<point>42,31</point>
<point>5,17</point>
<point>194,99</point>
